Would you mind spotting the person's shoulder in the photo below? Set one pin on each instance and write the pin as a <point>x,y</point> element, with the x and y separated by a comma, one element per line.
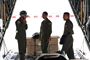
<point>49,21</point>
<point>69,21</point>
<point>17,21</point>
<point>43,21</point>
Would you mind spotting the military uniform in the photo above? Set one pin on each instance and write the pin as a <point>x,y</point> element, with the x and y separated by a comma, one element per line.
<point>68,43</point>
<point>45,32</point>
<point>21,37</point>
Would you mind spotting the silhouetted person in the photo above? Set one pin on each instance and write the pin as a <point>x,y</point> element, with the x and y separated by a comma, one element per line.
<point>45,32</point>
<point>67,37</point>
<point>21,27</point>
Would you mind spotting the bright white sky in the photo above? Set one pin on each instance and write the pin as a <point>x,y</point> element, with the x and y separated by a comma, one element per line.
<point>35,8</point>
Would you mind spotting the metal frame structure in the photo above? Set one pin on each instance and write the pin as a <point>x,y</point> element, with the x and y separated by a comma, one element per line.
<point>81,11</point>
<point>6,11</point>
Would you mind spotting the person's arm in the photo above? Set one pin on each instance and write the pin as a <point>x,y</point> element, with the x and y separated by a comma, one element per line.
<point>68,29</point>
<point>50,28</point>
<point>40,32</point>
<point>50,31</point>
<point>18,25</point>
<point>26,26</point>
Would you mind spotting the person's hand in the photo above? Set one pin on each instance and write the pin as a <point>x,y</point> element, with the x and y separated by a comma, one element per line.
<point>24,21</point>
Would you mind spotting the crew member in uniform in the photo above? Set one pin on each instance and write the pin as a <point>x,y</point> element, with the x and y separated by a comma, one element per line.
<point>45,32</point>
<point>67,37</point>
<point>21,27</point>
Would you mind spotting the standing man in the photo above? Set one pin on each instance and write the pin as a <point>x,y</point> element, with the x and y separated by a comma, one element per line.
<point>21,26</point>
<point>45,32</point>
<point>67,36</point>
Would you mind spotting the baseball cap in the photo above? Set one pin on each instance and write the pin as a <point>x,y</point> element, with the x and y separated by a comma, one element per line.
<point>23,13</point>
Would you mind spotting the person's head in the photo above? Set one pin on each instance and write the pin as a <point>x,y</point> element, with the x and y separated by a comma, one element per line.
<point>66,16</point>
<point>23,14</point>
<point>44,15</point>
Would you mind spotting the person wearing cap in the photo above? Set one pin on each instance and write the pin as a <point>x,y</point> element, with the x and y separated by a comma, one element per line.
<point>45,32</point>
<point>21,27</point>
<point>67,37</point>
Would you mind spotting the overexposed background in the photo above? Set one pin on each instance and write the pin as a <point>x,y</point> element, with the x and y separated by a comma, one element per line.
<point>34,9</point>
